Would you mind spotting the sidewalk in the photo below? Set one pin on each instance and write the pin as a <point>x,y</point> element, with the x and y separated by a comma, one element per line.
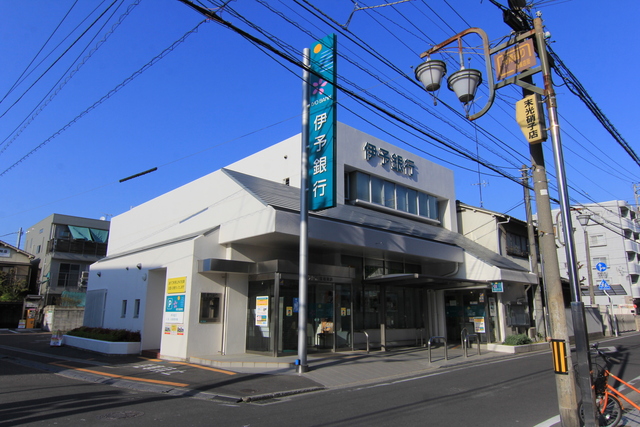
<point>242,377</point>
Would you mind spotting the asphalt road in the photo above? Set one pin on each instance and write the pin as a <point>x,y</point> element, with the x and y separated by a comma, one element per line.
<point>506,392</point>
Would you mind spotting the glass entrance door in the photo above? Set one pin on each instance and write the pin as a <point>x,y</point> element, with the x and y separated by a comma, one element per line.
<point>467,309</point>
<point>328,316</point>
<point>321,315</point>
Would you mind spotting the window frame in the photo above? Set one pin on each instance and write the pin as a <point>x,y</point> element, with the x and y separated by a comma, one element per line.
<point>214,314</point>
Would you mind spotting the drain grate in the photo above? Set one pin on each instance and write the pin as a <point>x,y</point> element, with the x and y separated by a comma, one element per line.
<point>121,415</point>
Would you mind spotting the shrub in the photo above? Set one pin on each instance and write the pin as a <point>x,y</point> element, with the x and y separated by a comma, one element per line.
<point>105,334</point>
<point>520,339</point>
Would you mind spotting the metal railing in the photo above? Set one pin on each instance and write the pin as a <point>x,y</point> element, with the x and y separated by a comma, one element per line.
<point>446,356</point>
<point>465,337</point>
<point>366,334</point>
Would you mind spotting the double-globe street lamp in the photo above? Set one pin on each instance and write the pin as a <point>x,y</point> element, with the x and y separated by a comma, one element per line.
<point>464,83</point>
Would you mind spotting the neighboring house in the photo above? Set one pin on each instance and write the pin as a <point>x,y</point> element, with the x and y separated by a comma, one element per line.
<point>65,246</point>
<point>613,236</point>
<point>16,279</point>
<point>507,236</point>
<point>212,267</point>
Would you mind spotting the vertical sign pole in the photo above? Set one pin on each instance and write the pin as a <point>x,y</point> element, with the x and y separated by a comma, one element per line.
<point>304,217</point>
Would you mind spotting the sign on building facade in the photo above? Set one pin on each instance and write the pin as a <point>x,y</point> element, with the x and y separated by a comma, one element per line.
<point>322,124</point>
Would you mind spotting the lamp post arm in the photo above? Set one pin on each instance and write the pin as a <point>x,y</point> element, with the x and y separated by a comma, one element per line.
<point>487,59</point>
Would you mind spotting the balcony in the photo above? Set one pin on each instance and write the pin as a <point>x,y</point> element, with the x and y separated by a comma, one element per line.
<point>77,246</point>
<point>631,246</point>
<point>634,268</point>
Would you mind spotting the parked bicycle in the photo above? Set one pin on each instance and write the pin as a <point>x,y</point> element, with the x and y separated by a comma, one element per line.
<point>608,405</point>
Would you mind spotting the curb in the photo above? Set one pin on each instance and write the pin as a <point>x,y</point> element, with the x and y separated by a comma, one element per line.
<point>277,394</point>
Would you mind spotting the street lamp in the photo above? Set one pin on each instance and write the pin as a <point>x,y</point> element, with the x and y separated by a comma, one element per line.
<point>583,219</point>
<point>516,66</point>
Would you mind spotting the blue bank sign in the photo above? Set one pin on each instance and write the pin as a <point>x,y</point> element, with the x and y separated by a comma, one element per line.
<point>322,126</point>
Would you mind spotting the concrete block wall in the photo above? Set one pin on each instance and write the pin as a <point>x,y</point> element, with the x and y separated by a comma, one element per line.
<point>62,318</point>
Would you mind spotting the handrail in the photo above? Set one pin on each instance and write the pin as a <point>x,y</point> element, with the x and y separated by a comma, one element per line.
<point>446,356</point>
<point>366,334</point>
<point>465,337</point>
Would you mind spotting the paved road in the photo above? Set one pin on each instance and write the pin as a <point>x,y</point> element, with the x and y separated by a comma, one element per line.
<point>498,391</point>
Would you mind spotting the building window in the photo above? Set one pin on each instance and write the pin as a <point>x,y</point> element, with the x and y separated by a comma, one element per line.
<point>375,190</point>
<point>123,312</point>
<point>597,260</point>
<point>136,309</point>
<point>597,240</point>
<point>517,245</point>
<point>210,307</point>
<point>68,275</point>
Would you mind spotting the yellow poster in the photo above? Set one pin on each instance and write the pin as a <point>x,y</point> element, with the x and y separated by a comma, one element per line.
<point>177,285</point>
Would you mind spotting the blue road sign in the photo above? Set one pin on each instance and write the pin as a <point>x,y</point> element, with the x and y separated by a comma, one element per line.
<point>601,266</point>
<point>604,286</point>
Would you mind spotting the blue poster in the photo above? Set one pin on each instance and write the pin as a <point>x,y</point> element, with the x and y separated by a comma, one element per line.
<point>175,303</point>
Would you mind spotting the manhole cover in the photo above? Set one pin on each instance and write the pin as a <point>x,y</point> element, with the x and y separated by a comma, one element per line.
<point>121,415</point>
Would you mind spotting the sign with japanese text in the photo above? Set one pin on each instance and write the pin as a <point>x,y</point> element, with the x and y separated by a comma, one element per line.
<point>515,59</point>
<point>322,124</point>
<point>262,311</point>
<point>177,285</point>
<point>393,161</point>
<point>174,309</point>
<point>530,118</point>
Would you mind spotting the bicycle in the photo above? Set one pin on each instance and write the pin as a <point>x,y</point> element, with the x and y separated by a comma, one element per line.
<point>608,406</point>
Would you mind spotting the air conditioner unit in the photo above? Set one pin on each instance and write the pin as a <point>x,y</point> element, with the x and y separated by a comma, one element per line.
<point>84,278</point>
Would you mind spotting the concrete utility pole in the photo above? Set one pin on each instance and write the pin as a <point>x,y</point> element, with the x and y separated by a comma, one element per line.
<point>577,306</point>
<point>565,384</point>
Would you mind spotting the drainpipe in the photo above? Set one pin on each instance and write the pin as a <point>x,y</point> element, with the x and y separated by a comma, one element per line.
<point>225,307</point>
<point>498,234</point>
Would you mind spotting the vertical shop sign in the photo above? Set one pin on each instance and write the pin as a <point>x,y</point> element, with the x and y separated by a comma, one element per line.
<point>322,124</point>
<point>530,118</point>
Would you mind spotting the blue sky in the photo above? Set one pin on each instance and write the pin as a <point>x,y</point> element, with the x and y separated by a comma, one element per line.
<point>79,112</point>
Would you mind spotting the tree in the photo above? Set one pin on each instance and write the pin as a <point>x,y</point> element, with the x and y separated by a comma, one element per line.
<point>11,287</point>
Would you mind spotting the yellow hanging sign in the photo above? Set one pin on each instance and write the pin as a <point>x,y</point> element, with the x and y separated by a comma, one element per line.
<point>530,118</point>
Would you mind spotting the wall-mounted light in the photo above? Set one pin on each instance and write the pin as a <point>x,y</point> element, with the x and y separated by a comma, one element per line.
<point>126,268</point>
<point>99,274</point>
<point>144,277</point>
<point>139,266</point>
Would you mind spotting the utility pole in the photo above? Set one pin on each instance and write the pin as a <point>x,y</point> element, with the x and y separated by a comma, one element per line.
<point>565,384</point>
<point>557,328</point>
<point>577,306</point>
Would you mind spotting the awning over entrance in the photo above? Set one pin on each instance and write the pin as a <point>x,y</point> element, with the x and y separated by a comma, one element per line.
<point>427,281</point>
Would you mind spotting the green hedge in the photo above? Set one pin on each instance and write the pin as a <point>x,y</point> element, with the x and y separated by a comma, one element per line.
<point>104,334</point>
<point>520,339</point>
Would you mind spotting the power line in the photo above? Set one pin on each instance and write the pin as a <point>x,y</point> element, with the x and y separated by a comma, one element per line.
<point>107,96</point>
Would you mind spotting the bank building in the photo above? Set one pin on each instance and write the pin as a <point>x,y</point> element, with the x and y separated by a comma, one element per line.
<point>211,267</point>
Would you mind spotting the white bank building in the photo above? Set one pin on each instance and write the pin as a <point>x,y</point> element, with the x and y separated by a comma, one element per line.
<point>212,267</point>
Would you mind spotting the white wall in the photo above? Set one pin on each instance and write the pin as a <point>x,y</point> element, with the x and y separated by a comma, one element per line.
<point>197,206</point>
<point>283,161</point>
